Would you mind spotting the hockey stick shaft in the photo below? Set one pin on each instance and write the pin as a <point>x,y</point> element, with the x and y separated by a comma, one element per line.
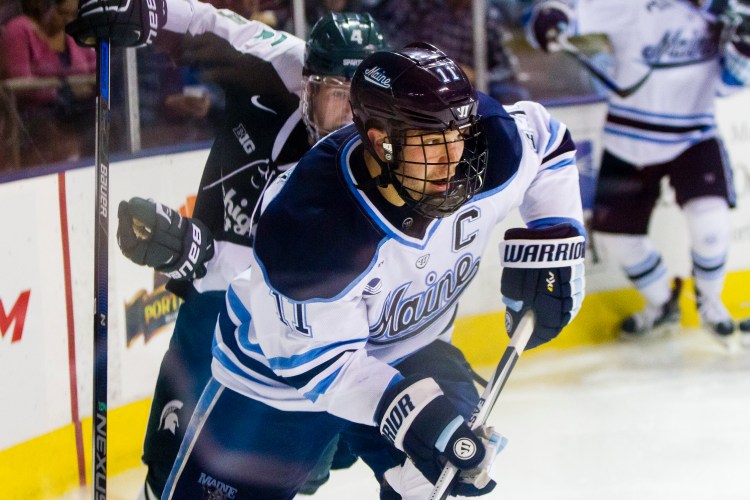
<point>490,394</point>
<point>101,278</point>
<point>571,50</point>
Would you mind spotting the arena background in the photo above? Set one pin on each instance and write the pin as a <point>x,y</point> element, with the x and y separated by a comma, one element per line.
<point>46,300</point>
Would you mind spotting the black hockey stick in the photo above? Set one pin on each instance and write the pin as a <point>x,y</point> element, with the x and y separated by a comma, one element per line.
<point>101,268</point>
<point>490,394</point>
<point>573,51</point>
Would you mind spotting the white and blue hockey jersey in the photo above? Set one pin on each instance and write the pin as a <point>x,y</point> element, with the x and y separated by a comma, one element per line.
<point>343,284</point>
<point>679,46</point>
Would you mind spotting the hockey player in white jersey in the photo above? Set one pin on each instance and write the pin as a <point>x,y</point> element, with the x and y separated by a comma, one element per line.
<point>291,94</point>
<point>665,128</point>
<point>343,322</point>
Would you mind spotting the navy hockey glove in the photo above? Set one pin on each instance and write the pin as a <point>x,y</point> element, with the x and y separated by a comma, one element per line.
<point>548,22</point>
<point>154,235</point>
<point>417,418</point>
<point>542,271</point>
<point>126,23</point>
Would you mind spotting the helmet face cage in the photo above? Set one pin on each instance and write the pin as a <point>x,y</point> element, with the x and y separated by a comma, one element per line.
<point>428,174</point>
<point>325,105</point>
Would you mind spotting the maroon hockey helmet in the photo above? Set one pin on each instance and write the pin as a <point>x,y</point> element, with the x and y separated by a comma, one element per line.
<point>418,91</point>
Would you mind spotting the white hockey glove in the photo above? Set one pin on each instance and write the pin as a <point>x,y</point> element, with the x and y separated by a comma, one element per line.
<point>549,21</point>
<point>154,235</point>
<point>543,271</point>
<point>407,482</point>
<point>125,23</point>
<point>416,417</point>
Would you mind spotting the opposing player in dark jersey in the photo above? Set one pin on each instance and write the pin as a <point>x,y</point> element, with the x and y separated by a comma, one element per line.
<point>691,51</point>
<point>342,323</point>
<point>266,129</point>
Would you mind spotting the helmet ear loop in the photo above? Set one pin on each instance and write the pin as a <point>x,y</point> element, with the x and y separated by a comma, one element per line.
<point>388,151</point>
<point>386,176</point>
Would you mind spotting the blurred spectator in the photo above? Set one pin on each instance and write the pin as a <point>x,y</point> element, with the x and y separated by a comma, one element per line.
<point>57,116</point>
<point>8,10</point>
<point>174,106</point>
<point>448,25</point>
<point>265,11</point>
<point>315,9</point>
<point>9,159</point>
<point>514,11</point>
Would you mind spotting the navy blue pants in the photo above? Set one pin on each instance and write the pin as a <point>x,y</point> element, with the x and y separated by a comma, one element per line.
<point>244,449</point>
<point>184,371</point>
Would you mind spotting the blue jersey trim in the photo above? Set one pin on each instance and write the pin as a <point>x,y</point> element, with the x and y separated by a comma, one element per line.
<point>565,163</point>
<point>238,308</point>
<point>485,194</point>
<point>661,115</point>
<point>230,365</point>
<point>553,221</point>
<point>705,134</point>
<point>554,128</point>
<point>322,386</point>
<point>243,339</point>
<point>297,360</point>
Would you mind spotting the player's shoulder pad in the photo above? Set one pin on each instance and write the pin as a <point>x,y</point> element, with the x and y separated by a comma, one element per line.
<point>313,240</point>
<point>547,136</point>
<point>504,147</point>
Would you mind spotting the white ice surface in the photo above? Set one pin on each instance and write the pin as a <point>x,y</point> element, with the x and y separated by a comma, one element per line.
<point>662,420</point>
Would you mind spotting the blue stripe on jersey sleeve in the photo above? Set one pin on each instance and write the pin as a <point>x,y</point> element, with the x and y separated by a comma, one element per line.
<point>322,386</point>
<point>553,221</point>
<point>302,380</point>
<point>554,128</point>
<point>641,137</point>
<point>636,111</point>
<point>238,308</point>
<point>566,145</point>
<point>243,336</point>
<point>561,164</point>
<point>230,365</point>
<point>395,380</point>
<point>304,358</point>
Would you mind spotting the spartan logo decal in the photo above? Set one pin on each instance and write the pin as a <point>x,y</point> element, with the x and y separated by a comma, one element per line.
<point>168,420</point>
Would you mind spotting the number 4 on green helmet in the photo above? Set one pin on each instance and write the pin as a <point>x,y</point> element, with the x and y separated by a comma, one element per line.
<point>337,44</point>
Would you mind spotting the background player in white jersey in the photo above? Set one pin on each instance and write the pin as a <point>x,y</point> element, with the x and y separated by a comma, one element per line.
<point>666,128</point>
<point>265,130</point>
<point>342,323</point>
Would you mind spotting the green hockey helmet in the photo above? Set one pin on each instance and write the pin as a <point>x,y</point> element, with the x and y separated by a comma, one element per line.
<point>339,41</point>
<point>337,44</point>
